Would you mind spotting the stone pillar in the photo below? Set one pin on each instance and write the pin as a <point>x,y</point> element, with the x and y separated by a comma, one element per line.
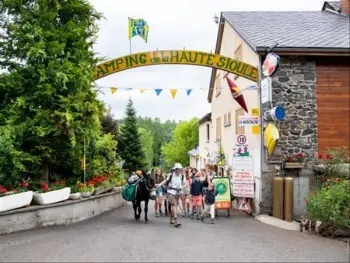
<point>294,88</point>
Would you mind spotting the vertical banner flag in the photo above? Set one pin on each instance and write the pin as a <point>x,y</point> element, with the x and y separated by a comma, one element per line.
<point>188,91</point>
<point>235,91</point>
<point>113,90</point>
<point>138,27</point>
<point>173,93</point>
<point>158,91</point>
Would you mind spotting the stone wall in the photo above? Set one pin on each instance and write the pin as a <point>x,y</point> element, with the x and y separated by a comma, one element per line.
<point>294,88</point>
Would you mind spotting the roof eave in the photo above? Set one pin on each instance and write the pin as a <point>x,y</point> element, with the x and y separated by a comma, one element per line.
<point>217,51</point>
<point>305,51</point>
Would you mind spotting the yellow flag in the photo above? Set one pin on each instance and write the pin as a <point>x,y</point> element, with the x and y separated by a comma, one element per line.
<point>173,93</point>
<point>113,90</point>
<point>142,91</point>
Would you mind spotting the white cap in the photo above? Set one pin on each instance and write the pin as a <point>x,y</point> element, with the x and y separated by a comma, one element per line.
<point>177,166</point>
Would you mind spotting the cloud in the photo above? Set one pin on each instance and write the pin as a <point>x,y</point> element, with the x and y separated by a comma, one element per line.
<point>173,25</point>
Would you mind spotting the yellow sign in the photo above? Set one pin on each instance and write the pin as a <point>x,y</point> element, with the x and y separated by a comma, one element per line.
<point>82,163</point>
<point>176,57</point>
<point>271,137</point>
<point>255,128</point>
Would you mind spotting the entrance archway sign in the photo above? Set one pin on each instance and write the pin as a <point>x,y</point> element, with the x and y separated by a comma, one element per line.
<point>185,57</point>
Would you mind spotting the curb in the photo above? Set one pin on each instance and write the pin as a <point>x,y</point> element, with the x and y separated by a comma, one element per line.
<point>273,221</point>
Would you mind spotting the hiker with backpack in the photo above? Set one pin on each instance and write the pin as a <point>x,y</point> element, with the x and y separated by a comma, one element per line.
<point>160,193</point>
<point>175,183</point>
<point>210,194</point>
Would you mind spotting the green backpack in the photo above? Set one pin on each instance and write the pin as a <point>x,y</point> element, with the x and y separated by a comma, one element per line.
<point>129,192</point>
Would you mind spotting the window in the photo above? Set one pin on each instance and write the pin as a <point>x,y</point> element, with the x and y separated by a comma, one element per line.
<point>238,55</point>
<point>227,119</point>
<point>239,129</point>
<point>218,129</point>
<point>208,132</point>
<point>218,84</point>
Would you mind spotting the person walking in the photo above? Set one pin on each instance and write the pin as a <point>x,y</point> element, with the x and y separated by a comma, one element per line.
<point>175,183</point>
<point>160,193</point>
<point>197,196</point>
<point>210,194</point>
<point>185,197</point>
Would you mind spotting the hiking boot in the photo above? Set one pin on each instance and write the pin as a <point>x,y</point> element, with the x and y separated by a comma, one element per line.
<point>160,212</point>
<point>156,214</point>
<point>202,219</point>
<point>192,216</point>
<point>199,217</point>
<point>171,220</point>
<point>176,224</point>
<point>184,214</point>
<point>212,221</point>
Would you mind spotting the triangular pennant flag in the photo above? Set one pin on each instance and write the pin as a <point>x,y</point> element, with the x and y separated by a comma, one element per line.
<point>188,91</point>
<point>142,91</point>
<point>158,91</point>
<point>238,97</point>
<point>113,90</point>
<point>202,89</point>
<point>173,93</point>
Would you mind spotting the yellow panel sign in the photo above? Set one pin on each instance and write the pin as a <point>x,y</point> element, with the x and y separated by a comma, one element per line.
<point>271,137</point>
<point>255,128</point>
<point>176,57</point>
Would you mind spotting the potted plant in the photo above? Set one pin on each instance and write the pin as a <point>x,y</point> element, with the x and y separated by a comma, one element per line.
<point>51,193</point>
<point>16,198</point>
<point>295,162</point>
<point>85,189</point>
<point>74,193</point>
<point>98,183</point>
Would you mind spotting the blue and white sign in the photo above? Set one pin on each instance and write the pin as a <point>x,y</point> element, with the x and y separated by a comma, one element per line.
<point>278,113</point>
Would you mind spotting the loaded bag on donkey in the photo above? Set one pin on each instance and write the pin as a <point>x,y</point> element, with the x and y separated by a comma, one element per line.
<point>129,192</point>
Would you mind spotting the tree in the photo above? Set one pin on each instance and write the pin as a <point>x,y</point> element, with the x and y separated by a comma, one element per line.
<point>47,56</point>
<point>109,124</point>
<point>185,138</point>
<point>130,148</point>
<point>147,146</point>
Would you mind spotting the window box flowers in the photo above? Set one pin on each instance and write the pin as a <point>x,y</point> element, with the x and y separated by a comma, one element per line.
<point>295,162</point>
<point>85,189</point>
<point>50,194</point>
<point>75,194</point>
<point>16,198</point>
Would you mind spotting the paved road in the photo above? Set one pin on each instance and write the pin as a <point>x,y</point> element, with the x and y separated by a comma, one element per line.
<point>115,237</point>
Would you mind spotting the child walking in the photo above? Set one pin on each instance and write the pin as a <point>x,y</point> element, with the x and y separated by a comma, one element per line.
<point>197,196</point>
<point>210,194</point>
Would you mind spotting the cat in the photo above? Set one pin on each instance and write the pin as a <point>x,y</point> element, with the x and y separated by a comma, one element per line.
<point>307,224</point>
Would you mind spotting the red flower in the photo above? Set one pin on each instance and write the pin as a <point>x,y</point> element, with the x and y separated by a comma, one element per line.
<point>3,190</point>
<point>328,156</point>
<point>57,182</point>
<point>25,184</point>
<point>300,154</point>
<point>46,188</point>
<point>42,184</point>
<point>320,156</point>
<point>305,200</point>
<point>79,185</point>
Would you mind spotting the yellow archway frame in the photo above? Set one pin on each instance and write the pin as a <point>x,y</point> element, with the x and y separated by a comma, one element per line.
<point>185,57</point>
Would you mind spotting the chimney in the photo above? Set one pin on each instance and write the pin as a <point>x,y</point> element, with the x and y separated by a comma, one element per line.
<point>345,7</point>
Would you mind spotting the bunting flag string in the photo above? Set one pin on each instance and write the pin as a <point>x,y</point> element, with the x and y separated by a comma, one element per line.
<point>113,90</point>
<point>188,91</point>
<point>158,91</point>
<point>173,93</point>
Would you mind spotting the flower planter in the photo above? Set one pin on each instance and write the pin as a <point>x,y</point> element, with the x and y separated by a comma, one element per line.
<point>86,194</point>
<point>116,189</point>
<point>99,190</point>
<point>14,201</point>
<point>75,196</point>
<point>294,165</point>
<point>51,197</point>
<point>108,189</point>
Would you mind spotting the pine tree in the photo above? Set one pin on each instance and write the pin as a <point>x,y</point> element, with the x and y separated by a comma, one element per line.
<point>130,148</point>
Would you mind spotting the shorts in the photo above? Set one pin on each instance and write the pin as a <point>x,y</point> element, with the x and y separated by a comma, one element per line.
<point>173,199</point>
<point>160,192</point>
<point>197,200</point>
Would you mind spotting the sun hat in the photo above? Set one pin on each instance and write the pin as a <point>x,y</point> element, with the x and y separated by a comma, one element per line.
<point>177,166</point>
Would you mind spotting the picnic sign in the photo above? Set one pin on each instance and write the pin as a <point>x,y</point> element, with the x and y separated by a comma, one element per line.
<point>223,198</point>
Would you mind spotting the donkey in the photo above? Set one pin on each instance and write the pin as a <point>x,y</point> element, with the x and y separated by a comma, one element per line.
<point>144,192</point>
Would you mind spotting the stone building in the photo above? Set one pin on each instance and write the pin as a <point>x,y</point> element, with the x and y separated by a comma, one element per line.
<point>312,85</point>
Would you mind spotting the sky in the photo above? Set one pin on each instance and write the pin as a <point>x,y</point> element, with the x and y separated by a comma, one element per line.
<point>173,25</point>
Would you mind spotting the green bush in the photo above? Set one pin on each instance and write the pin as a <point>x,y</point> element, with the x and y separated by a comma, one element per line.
<point>331,203</point>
